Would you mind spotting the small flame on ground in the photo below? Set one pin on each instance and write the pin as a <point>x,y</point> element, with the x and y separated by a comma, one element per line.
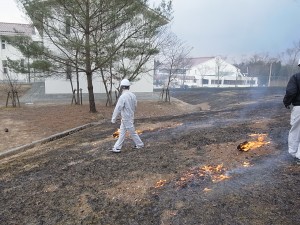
<point>217,178</point>
<point>246,164</point>
<point>215,173</point>
<point>247,145</point>
<point>117,133</point>
<point>160,183</point>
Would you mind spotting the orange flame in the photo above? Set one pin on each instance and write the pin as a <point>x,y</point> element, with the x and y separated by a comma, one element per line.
<point>217,178</point>
<point>215,173</point>
<point>247,145</point>
<point>160,183</point>
<point>116,134</point>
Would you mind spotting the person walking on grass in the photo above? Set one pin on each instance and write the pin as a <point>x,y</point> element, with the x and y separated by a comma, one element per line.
<point>126,106</point>
<point>292,96</point>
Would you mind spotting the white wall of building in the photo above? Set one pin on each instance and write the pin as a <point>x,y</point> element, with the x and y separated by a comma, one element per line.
<point>63,85</point>
<point>218,73</point>
<point>8,51</point>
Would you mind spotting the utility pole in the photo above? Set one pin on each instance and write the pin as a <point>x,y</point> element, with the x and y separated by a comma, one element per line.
<point>270,74</point>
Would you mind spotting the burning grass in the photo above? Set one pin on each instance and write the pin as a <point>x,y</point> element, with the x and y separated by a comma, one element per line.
<point>209,172</point>
<point>78,184</point>
<point>160,183</point>
<point>248,145</point>
<point>150,127</point>
<point>116,134</point>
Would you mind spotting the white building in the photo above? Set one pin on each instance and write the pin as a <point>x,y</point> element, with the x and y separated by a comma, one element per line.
<point>8,51</point>
<point>208,72</point>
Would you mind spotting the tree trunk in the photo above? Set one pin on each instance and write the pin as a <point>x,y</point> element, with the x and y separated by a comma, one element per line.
<point>91,93</point>
<point>28,67</point>
<point>167,99</point>
<point>107,91</point>
<point>88,62</point>
<point>77,84</point>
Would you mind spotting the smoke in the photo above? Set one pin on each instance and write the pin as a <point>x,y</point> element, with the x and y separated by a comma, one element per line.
<point>254,99</point>
<point>259,171</point>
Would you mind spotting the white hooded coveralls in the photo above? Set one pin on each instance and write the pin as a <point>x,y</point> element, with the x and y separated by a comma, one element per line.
<point>294,134</point>
<point>126,106</point>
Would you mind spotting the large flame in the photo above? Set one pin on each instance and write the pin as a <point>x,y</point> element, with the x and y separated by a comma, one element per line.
<point>247,145</point>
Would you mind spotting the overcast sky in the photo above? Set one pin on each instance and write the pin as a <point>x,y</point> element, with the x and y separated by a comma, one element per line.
<point>234,28</point>
<point>230,28</point>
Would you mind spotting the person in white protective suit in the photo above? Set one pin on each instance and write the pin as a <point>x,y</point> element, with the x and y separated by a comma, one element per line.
<point>292,96</point>
<point>126,106</point>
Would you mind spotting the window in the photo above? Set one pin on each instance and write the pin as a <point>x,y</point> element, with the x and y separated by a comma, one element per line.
<point>3,44</point>
<point>230,82</point>
<point>252,82</point>
<point>216,82</point>
<point>4,65</point>
<point>204,81</point>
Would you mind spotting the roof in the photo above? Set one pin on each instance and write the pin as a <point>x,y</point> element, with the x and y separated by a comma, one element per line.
<point>13,29</point>
<point>199,60</point>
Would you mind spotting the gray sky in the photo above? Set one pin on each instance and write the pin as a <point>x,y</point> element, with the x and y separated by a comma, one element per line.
<point>230,28</point>
<point>234,28</point>
<point>9,12</point>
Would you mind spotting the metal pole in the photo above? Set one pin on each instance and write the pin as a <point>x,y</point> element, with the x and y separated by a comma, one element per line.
<point>270,74</point>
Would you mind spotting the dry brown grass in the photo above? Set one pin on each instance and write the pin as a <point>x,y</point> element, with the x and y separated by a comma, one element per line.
<point>30,123</point>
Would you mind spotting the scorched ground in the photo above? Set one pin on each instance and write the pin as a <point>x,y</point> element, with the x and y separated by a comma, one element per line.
<point>190,172</point>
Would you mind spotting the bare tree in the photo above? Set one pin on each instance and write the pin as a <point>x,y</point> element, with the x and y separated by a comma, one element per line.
<point>173,59</point>
<point>11,88</point>
<point>290,57</point>
<point>220,66</point>
<point>203,71</point>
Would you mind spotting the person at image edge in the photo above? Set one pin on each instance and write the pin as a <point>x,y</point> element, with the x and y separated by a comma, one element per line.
<point>292,97</point>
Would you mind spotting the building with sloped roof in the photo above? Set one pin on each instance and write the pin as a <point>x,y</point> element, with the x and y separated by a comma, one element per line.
<point>205,72</point>
<point>8,51</point>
